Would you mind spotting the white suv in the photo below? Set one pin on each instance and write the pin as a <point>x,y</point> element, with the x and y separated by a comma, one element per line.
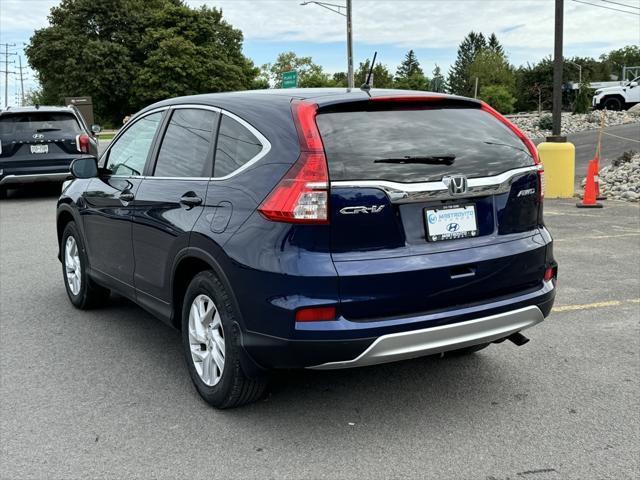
<point>619,97</point>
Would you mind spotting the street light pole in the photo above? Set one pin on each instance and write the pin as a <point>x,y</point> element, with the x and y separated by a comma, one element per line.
<point>337,9</point>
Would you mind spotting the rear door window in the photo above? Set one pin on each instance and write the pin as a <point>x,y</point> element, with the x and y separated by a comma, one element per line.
<point>236,146</point>
<point>38,122</point>
<point>418,145</point>
<point>187,147</point>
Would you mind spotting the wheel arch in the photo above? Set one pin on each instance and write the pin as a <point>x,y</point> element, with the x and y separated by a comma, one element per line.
<point>617,96</point>
<point>65,215</point>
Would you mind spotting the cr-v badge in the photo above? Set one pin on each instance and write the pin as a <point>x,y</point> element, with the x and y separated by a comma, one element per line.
<point>361,209</point>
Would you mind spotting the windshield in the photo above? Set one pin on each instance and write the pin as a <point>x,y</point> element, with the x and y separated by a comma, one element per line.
<point>418,145</point>
<point>16,124</point>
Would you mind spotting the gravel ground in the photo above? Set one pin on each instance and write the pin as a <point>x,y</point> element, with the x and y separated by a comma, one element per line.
<point>573,123</point>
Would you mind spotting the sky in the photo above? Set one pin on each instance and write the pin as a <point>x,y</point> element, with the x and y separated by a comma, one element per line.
<point>432,28</point>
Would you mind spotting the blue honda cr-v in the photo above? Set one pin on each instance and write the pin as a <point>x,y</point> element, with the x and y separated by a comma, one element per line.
<point>313,228</point>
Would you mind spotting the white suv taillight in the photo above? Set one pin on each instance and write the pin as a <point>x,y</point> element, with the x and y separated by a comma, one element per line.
<point>302,196</point>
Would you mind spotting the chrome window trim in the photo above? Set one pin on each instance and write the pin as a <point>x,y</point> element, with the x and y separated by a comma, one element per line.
<point>416,192</point>
<point>266,145</point>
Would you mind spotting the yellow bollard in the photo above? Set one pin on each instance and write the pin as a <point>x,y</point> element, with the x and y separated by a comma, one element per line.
<point>559,161</point>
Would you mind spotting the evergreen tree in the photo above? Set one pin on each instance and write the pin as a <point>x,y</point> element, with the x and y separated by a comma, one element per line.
<point>382,78</point>
<point>409,67</point>
<point>459,81</point>
<point>437,82</point>
<point>494,45</point>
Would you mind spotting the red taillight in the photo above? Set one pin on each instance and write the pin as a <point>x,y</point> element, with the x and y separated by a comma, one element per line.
<point>526,140</point>
<point>316,314</point>
<point>302,196</point>
<point>549,274</point>
<point>82,143</point>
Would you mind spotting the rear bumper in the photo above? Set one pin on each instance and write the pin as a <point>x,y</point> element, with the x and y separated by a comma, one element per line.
<point>19,179</point>
<point>428,341</point>
<point>354,344</point>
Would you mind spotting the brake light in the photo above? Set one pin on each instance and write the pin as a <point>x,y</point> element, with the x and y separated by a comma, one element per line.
<point>82,143</point>
<point>526,140</point>
<point>316,314</point>
<point>550,273</point>
<point>302,196</point>
<point>408,98</point>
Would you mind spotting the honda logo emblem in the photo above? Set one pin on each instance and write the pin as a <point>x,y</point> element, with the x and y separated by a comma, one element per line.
<point>457,184</point>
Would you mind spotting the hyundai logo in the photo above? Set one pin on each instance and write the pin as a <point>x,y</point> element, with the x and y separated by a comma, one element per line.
<point>38,136</point>
<point>457,184</point>
<point>453,227</point>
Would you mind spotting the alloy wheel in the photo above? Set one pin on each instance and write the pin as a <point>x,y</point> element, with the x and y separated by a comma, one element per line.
<point>72,265</point>
<point>206,339</point>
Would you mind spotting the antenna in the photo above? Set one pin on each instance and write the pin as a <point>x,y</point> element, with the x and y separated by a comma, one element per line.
<point>366,86</point>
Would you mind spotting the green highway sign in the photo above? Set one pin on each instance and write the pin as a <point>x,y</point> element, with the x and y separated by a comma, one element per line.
<point>290,79</point>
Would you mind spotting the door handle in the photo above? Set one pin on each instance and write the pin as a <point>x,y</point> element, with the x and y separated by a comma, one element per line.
<point>126,197</point>
<point>190,200</point>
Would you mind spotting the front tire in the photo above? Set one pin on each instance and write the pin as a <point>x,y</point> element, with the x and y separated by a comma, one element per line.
<point>81,290</point>
<point>211,345</point>
<point>613,103</point>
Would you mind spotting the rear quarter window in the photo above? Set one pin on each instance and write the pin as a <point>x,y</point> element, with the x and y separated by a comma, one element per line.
<point>371,144</point>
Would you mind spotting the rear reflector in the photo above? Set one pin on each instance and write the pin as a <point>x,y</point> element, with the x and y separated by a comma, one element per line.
<point>302,196</point>
<point>316,314</point>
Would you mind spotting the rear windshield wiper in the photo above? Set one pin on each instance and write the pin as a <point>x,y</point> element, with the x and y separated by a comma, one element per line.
<point>446,159</point>
<point>47,129</point>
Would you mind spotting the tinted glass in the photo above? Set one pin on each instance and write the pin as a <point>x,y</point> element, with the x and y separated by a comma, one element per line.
<point>367,145</point>
<point>129,153</point>
<point>236,146</point>
<point>38,122</point>
<point>186,147</point>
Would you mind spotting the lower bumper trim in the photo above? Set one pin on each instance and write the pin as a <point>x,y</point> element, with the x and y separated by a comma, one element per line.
<point>33,178</point>
<point>429,341</point>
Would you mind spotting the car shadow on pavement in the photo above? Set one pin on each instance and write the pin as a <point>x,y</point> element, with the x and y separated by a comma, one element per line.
<point>34,191</point>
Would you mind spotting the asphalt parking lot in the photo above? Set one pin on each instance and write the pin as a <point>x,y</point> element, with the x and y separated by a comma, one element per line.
<point>105,394</point>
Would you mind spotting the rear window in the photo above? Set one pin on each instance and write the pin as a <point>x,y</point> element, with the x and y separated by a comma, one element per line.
<point>38,122</point>
<point>418,145</point>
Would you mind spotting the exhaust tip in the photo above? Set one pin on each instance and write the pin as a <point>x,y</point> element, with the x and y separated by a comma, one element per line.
<point>518,339</point>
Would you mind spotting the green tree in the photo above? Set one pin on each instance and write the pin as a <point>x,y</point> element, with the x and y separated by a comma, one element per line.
<point>409,74</point>
<point>382,78</point>
<point>493,44</point>
<point>127,53</point>
<point>339,79</point>
<point>492,68</point>
<point>459,81</point>
<point>310,74</point>
<point>499,97</point>
<point>615,60</point>
<point>437,82</point>
<point>583,97</point>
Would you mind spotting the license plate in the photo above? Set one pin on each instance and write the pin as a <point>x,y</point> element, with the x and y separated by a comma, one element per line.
<point>451,223</point>
<point>39,148</point>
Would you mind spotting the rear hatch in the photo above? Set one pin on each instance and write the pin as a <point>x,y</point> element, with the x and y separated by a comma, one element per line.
<point>434,204</point>
<point>34,139</point>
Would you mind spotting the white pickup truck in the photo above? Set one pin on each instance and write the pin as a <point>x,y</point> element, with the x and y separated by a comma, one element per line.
<point>618,97</point>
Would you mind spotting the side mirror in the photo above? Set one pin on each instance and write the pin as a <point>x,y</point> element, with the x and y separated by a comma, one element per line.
<point>96,128</point>
<point>84,167</point>
<point>633,84</point>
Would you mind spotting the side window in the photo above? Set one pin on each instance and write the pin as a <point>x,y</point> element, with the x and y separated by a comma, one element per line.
<point>186,147</point>
<point>129,154</point>
<point>236,146</point>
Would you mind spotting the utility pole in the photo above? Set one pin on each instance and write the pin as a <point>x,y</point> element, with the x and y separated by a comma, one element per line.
<point>337,9</point>
<point>350,82</point>
<point>557,69</point>
<point>6,70</point>
<point>21,68</point>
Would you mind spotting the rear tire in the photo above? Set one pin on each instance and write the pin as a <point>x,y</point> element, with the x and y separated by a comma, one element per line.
<point>3,193</point>
<point>81,290</point>
<point>467,350</point>
<point>613,103</point>
<point>211,345</point>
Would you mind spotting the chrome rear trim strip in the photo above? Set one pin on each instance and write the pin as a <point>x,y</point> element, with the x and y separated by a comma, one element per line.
<point>417,192</point>
<point>33,178</point>
<point>429,341</point>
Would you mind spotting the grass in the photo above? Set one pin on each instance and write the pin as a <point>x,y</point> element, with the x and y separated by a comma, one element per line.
<point>107,136</point>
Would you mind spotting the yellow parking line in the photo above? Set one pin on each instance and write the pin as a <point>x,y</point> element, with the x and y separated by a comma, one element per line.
<point>588,306</point>
<point>597,237</point>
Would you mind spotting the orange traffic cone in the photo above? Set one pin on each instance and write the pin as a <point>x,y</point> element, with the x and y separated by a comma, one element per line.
<point>589,197</point>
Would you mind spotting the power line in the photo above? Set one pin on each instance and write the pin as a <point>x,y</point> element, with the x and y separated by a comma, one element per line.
<point>621,4</point>
<point>608,8</point>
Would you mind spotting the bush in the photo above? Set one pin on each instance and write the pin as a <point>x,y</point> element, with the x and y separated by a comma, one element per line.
<point>545,122</point>
<point>498,97</point>
<point>583,98</point>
